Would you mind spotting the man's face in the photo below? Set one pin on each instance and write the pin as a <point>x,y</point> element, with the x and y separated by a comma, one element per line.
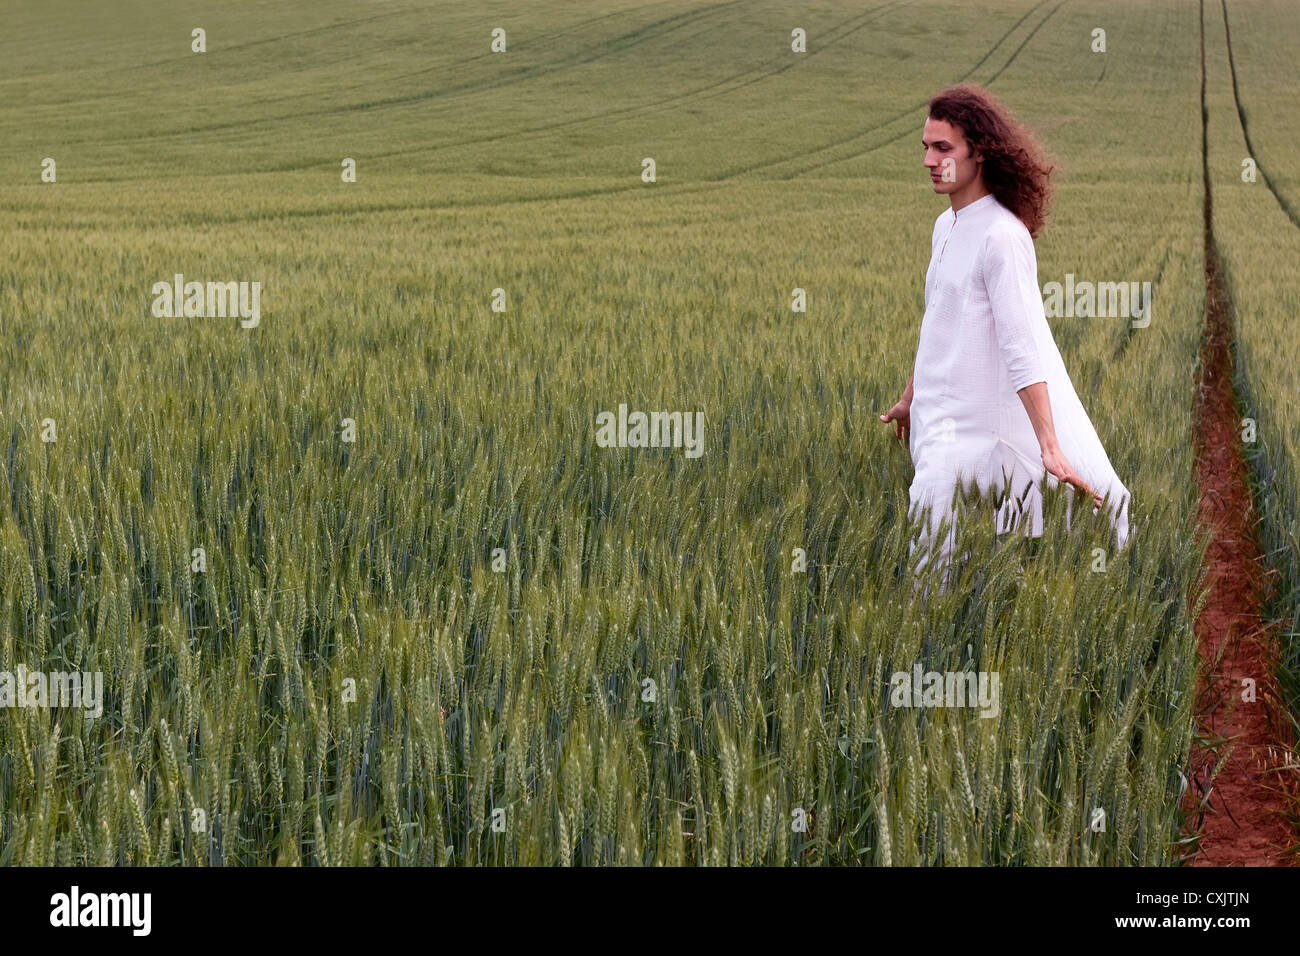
<point>948,156</point>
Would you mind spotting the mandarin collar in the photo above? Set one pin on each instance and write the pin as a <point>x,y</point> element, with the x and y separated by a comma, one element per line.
<point>980,203</point>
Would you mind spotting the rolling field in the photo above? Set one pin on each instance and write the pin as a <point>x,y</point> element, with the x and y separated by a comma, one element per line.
<point>363,586</point>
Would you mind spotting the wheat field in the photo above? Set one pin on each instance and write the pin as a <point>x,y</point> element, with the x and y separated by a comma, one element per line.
<point>363,587</point>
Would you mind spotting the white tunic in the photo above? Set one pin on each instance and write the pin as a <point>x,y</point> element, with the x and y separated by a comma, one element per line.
<point>985,336</point>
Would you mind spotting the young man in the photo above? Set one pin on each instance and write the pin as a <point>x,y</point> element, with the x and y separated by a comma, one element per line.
<point>990,400</point>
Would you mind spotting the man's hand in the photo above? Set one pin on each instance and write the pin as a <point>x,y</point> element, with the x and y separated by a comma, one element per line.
<point>901,414</point>
<point>1060,468</point>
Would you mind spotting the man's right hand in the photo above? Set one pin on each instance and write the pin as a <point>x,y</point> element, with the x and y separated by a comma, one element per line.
<point>901,414</point>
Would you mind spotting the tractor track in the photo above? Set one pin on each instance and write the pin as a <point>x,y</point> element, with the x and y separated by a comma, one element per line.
<point>1240,802</point>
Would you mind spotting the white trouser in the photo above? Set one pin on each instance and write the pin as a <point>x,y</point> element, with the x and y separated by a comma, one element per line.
<point>934,542</point>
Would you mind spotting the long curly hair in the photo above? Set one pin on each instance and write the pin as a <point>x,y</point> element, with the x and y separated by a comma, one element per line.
<point>1015,169</point>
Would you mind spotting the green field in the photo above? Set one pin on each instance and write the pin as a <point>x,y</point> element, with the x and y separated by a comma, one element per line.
<point>349,680</point>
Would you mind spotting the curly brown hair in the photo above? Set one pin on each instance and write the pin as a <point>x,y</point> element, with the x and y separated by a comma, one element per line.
<point>1014,168</point>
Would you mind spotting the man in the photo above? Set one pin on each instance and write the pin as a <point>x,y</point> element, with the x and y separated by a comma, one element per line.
<point>990,400</point>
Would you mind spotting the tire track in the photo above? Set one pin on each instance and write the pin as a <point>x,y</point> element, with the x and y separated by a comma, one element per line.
<point>1252,779</point>
<point>765,71</point>
<point>926,103</point>
<point>1023,44</point>
<point>366,209</point>
<point>766,164</point>
<point>841,34</point>
<point>770,68</point>
<point>728,175</point>
<point>650,31</point>
<point>1245,131</point>
<point>525,44</point>
<point>239,46</point>
<point>693,96</point>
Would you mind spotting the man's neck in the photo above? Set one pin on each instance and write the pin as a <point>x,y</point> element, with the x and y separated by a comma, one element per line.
<point>968,194</point>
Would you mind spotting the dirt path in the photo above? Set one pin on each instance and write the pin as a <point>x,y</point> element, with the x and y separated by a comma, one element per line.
<point>1244,814</point>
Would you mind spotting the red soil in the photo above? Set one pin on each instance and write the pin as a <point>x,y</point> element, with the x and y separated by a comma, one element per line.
<point>1245,815</point>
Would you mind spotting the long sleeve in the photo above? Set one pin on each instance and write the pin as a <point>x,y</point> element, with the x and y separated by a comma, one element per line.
<point>1011,281</point>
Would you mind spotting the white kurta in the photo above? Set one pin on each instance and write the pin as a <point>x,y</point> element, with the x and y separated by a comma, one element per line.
<point>985,336</point>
